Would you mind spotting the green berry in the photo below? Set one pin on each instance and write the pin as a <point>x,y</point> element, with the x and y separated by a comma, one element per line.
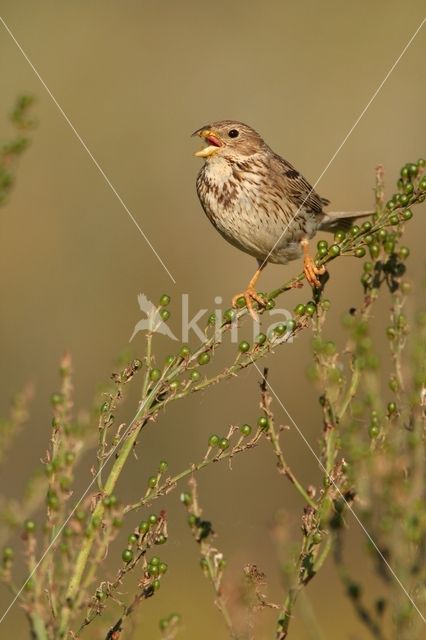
<point>330,348</point>
<point>29,585</point>
<point>317,537</point>
<point>404,252</point>
<point>391,408</point>
<point>393,384</point>
<point>355,230</point>
<point>8,554</point>
<point>156,584</point>
<point>152,519</point>
<point>270,304</point>
<point>170,360</point>
<point>263,423</point>
<point>391,333</point>
<point>53,501</point>
<point>184,351</point>
<point>405,199</point>
<point>404,172</point>
<point>195,376</point>
<point>241,302</point>
<point>143,527</point>
<point>326,304</point>
<point>132,539</point>
<point>407,214</point>
<point>373,431</point>
<point>366,226</point>
<point>69,458</point>
<point>214,440</point>
<point>155,375</point>
<point>48,469</point>
<point>164,300</point>
<point>164,314</point>
<point>360,252</point>
<point>408,188</point>
<point>163,624</point>
<point>412,170</point>
<point>322,244</point>
<point>186,498</point>
<point>223,443</point>
<point>339,236</point>
<point>260,339</point>
<point>291,325</point>
<point>29,526</point>
<point>394,219</point>
<point>244,346</point>
<point>68,532</point>
<point>192,520</point>
<point>280,329</point>
<point>322,252</point>
<point>56,399</point>
<point>310,309</point>
<point>421,162</point>
<point>211,320</point>
<point>174,385</point>
<point>152,482</point>
<point>155,561</point>
<point>374,250</point>
<point>245,430</point>
<point>334,250</point>
<point>300,309</point>
<point>163,466</point>
<point>374,417</point>
<point>161,539</point>
<point>389,247</point>
<point>422,184</point>
<point>368,267</point>
<point>203,358</point>
<point>65,483</point>
<point>229,315</point>
<point>127,555</point>
<point>163,567</point>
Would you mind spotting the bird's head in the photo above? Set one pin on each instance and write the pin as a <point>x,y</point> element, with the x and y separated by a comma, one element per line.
<point>229,139</point>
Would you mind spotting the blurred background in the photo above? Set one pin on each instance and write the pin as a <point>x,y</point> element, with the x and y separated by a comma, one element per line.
<point>135,79</point>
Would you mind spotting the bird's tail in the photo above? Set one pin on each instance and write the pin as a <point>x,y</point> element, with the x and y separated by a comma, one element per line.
<point>334,220</point>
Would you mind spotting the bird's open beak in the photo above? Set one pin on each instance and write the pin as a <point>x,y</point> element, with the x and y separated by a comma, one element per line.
<point>213,140</point>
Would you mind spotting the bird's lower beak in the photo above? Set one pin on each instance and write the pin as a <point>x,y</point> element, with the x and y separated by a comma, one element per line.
<point>213,140</point>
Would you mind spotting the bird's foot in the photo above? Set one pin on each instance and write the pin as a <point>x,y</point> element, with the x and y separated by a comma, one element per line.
<point>310,269</point>
<point>312,272</point>
<point>249,295</point>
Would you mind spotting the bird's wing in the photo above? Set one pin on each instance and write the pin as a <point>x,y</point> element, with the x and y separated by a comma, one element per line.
<point>296,187</point>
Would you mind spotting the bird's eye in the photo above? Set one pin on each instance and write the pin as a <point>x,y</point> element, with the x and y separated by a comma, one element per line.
<point>233,133</point>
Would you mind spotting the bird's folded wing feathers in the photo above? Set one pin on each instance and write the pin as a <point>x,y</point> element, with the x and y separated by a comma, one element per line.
<point>296,187</point>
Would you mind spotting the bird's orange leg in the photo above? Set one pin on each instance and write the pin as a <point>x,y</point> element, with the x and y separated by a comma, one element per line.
<point>249,295</point>
<point>310,269</point>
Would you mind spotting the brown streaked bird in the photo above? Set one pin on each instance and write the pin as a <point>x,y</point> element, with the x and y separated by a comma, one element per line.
<point>259,202</point>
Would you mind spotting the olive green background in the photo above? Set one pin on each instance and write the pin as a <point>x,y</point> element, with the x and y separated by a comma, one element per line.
<point>136,78</point>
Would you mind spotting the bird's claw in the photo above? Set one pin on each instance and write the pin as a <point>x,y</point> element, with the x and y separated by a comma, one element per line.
<point>311,271</point>
<point>249,295</point>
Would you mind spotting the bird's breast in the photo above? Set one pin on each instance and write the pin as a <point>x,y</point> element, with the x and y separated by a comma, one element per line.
<point>241,202</point>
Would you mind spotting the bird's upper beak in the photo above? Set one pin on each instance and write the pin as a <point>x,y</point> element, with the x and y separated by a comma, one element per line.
<point>214,142</point>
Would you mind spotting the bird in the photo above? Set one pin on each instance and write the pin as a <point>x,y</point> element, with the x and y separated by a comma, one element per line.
<point>259,202</point>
